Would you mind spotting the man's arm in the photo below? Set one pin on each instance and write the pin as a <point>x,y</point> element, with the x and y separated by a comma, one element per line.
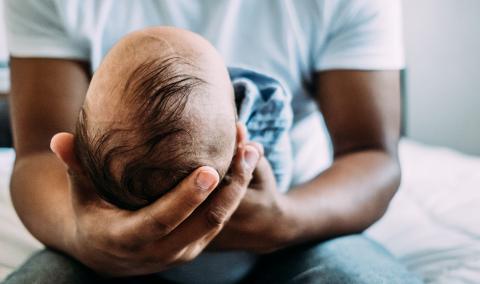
<point>362,113</point>
<point>46,97</point>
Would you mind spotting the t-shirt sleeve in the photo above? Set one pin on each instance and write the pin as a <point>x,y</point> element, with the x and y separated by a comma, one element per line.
<point>361,34</point>
<point>4,70</point>
<point>39,29</point>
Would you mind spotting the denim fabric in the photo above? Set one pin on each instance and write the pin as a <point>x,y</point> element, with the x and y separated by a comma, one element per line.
<point>264,106</point>
<point>351,259</point>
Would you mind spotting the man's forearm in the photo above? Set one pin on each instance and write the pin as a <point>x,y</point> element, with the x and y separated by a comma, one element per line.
<point>39,189</point>
<point>347,198</point>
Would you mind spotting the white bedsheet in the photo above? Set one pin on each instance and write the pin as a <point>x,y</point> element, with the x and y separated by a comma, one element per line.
<point>432,225</point>
<point>16,244</point>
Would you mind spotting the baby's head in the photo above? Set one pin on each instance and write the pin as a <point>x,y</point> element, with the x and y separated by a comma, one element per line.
<point>160,105</point>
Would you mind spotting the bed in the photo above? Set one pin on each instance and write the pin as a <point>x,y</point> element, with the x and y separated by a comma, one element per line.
<point>432,225</point>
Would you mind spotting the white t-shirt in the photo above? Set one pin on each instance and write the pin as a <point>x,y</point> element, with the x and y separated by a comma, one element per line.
<point>4,70</point>
<point>286,39</point>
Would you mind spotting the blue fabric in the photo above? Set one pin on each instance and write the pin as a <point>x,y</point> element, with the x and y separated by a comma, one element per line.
<point>264,106</point>
<point>351,259</point>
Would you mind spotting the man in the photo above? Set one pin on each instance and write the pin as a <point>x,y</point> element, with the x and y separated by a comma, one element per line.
<point>339,57</point>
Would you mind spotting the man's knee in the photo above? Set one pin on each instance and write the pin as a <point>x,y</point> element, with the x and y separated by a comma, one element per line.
<point>49,266</point>
<point>349,259</point>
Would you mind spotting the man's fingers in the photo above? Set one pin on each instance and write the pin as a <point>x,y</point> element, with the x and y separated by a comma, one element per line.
<point>160,218</point>
<point>257,146</point>
<point>244,164</point>
<point>205,223</point>
<point>263,173</point>
<point>263,177</point>
<point>195,233</point>
<point>170,218</point>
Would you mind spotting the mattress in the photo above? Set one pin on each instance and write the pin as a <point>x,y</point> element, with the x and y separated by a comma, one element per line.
<point>432,224</point>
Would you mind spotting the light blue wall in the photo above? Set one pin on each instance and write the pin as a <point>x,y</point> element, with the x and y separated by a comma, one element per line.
<point>443,76</point>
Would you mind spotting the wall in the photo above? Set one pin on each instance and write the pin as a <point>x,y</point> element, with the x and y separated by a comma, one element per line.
<point>443,72</point>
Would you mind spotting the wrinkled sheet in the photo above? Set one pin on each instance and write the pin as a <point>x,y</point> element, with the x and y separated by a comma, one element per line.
<point>433,223</point>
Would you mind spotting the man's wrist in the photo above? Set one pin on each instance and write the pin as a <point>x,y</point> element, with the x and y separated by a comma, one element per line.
<point>69,242</point>
<point>289,230</point>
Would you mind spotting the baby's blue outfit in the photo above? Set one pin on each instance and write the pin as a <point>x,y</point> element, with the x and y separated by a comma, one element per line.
<point>263,105</point>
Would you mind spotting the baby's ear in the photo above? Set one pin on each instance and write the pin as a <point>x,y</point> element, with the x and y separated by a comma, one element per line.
<point>62,144</point>
<point>241,134</point>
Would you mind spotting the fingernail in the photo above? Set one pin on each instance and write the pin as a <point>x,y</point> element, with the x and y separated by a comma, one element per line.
<point>251,156</point>
<point>205,180</point>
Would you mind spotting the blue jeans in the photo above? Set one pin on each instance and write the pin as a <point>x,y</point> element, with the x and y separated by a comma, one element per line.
<point>349,259</point>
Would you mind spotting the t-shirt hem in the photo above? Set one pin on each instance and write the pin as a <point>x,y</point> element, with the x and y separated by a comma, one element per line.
<point>364,64</point>
<point>29,48</point>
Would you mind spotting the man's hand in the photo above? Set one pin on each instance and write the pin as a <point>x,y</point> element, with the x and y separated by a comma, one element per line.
<point>171,231</point>
<point>261,223</point>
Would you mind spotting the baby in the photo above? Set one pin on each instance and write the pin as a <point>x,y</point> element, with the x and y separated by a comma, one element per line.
<point>162,104</point>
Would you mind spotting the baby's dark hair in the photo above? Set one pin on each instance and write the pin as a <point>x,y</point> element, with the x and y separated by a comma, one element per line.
<point>153,142</point>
